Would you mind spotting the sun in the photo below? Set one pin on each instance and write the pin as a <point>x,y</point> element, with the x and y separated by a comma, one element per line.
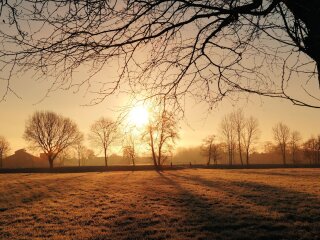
<point>138,116</point>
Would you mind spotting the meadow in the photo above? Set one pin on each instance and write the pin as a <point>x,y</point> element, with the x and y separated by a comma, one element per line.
<point>182,204</point>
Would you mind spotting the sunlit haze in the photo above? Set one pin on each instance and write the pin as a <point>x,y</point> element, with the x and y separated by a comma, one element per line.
<point>138,116</point>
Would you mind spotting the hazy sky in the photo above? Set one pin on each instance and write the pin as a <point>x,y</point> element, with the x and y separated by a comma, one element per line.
<point>198,122</point>
<point>197,125</point>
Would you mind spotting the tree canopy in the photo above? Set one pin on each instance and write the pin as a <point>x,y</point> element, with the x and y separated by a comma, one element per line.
<point>208,49</point>
<point>51,133</point>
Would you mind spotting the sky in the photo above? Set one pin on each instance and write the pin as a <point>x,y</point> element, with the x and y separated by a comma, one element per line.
<point>197,124</point>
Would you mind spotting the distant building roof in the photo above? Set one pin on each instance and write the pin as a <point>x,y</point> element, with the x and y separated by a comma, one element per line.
<point>22,159</point>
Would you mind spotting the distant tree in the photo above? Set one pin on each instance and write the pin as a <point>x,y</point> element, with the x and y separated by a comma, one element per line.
<point>4,149</point>
<point>228,135</point>
<point>295,138</point>
<point>52,133</point>
<point>129,154</point>
<point>238,123</point>
<point>129,151</point>
<point>318,150</point>
<point>83,154</point>
<point>64,156</point>
<point>250,135</point>
<point>281,134</point>
<point>103,133</point>
<point>210,149</point>
<point>161,133</point>
<point>79,150</point>
<point>269,147</point>
<point>89,155</point>
<point>311,149</point>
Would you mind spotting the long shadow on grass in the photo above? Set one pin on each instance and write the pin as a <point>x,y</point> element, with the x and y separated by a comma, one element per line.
<point>295,174</point>
<point>208,219</point>
<point>299,213</point>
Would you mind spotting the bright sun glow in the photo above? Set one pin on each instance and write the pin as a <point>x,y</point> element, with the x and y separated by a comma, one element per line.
<point>139,116</point>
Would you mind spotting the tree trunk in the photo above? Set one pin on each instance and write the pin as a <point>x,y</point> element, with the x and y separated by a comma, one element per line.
<point>152,149</point>
<point>105,157</point>
<point>50,162</point>
<point>293,157</point>
<point>79,159</point>
<point>209,158</point>
<point>0,161</point>
<point>308,13</point>
<point>154,159</point>
<point>159,156</point>
<point>247,156</point>
<point>240,151</point>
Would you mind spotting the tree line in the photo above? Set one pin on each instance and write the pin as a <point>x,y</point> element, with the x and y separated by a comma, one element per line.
<point>54,134</point>
<point>238,135</point>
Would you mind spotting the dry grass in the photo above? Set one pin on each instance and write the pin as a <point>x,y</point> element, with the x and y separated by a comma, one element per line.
<point>185,204</point>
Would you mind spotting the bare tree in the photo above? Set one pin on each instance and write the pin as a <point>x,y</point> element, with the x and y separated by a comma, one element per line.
<point>82,153</point>
<point>103,133</point>
<point>129,150</point>
<point>210,149</point>
<point>238,123</point>
<point>4,149</point>
<point>52,133</point>
<point>311,150</point>
<point>281,134</point>
<point>79,149</point>
<point>250,135</point>
<point>63,157</point>
<point>228,134</point>
<point>294,142</point>
<point>211,49</point>
<point>161,133</point>
<point>129,153</point>
<point>318,150</point>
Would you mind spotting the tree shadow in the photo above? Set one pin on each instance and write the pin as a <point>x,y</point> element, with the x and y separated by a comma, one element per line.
<point>285,174</point>
<point>250,210</point>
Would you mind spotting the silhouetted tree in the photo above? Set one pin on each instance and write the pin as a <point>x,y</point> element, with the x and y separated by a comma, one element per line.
<point>4,149</point>
<point>129,150</point>
<point>161,133</point>
<point>238,123</point>
<point>89,156</point>
<point>103,133</point>
<point>210,149</point>
<point>129,153</point>
<point>211,49</point>
<point>52,133</point>
<point>311,149</point>
<point>250,135</point>
<point>295,138</point>
<point>83,154</point>
<point>79,150</point>
<point>64,156</point>
<point>228,134</point>
<point>281,134</point>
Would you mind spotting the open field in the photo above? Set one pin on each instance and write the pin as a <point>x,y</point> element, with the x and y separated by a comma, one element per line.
<point>183,204</point>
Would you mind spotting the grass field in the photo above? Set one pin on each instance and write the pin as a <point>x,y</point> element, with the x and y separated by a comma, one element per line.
<point>184,204</point>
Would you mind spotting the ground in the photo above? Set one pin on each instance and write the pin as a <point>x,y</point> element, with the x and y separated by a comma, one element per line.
<point>183,204</point>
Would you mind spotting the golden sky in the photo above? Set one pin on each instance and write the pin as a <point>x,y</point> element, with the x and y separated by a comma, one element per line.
<point>197,125</point>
